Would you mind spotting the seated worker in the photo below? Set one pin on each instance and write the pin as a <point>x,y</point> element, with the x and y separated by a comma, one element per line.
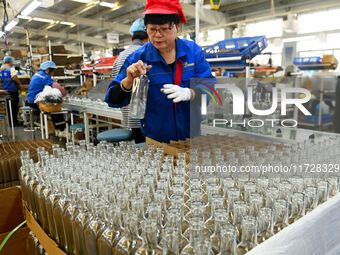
<point>41,79</point>
<point>11,83</point>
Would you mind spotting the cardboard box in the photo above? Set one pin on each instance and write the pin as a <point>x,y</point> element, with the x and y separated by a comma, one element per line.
<point>43,50</point>
<point>330,59</point>
<point>11,215</point>
<point>60,49</point>
<point>60,60</point>
<point>74,60</point>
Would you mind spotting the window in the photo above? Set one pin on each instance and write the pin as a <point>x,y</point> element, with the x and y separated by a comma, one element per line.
<point>319,21</point>
<point>269,28</point>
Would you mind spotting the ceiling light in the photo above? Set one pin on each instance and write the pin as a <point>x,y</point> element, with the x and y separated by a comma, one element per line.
<point>82,1</point>
<point>25,17</point>
<point>11,24</point>
<point>67,23</point>
<point>2,34</point>
<point>109,5</point>
<point>31,7</point>
<point>44,20</point>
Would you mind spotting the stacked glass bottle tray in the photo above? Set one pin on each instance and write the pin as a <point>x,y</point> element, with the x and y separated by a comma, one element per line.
<point>108,199</point>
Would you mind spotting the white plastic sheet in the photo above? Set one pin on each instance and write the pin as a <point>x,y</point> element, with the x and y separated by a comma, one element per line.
<point>317,233</point>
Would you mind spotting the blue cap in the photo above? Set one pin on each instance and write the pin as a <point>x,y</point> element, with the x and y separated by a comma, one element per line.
<point>8,59</point>
<point>48,64</point>
<point>137,26</point>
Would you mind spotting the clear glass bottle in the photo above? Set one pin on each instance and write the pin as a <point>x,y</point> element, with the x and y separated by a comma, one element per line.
<point>175,221</point>
<point>196,234</point>
<point>69,215</point>
<point>58,210</point>
<point>248,235</point>
<point>221,219</point>
<point>131,241</point>
<point>111,234</point>
<point>280,215</point>
<point>52,199</point>
<point>80,221</point>
<point>228,244</point>
<point>150,237</point>
<point>41,207</point>
<point>297,207</point>
<point>94,229</point>
<point>265,224</point>
<point>170,241</point>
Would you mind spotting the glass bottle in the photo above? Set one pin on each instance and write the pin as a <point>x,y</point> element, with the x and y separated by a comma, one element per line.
<point>248,235</point>
<point>58,211</point>
<point>41,207</point>
<point>112,234</point>
<point>150,243</point>
<point>131,240</point>
<point>323,191</point>
<point>311,198</point>
<point>68,218</point>
<point>175,221</point>
<point>265,224</point>
<point>93,229</point>
<point>221,218</point>
<point>196,234</point>
<point>297,207</point>
<point>80,221</point>
<point>52,199</point>
<point>170,241</point>
<point>228,244</point>
<point>280,215</point>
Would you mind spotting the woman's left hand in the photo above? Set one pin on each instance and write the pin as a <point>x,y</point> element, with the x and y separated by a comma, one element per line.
<point>176,93</point>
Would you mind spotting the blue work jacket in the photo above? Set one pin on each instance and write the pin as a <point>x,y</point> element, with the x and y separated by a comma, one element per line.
<point>7,82</point>
<point>37,84</point>
<point>163,121</point>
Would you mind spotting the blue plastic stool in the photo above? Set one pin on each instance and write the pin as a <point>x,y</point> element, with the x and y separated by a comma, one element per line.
<point>75,128</point>
<point>115,135</point>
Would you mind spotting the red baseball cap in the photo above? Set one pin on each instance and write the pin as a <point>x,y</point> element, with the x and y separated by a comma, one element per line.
<point>165,7</point>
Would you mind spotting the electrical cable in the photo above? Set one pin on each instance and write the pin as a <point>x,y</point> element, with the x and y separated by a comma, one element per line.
<point>9,235</point>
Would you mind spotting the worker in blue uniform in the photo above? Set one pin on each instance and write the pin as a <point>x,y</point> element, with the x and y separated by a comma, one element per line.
<point>41,79</point>
<point>174,63</point>
<point>11,83</point>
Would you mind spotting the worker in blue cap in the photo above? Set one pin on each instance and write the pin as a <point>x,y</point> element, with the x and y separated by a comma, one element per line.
<point>11,83</point>
<point>41,79</point>
<point>139,38</point>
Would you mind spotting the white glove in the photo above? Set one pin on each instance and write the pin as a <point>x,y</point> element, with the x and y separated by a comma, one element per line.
<point>176,93</point>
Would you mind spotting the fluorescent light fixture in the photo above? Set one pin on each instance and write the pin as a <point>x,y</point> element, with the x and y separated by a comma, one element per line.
<point>82,1</point>
<point>25,17</point>
<point>44,20</point>
<point>2,34</point>
<point>11,24</point>
<point>31,7</point>
<point>109,5</point>
<point>67,23</point>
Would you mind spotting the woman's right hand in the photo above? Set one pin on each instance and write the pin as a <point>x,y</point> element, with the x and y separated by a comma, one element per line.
<point>133,71</point>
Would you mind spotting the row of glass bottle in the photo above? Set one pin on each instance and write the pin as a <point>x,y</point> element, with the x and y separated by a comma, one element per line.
<point>121,200</point>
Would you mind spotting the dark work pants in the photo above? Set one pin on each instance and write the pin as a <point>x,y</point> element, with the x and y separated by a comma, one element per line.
<point>57,119</point>
<point>138,135</point>
<point>15,107</point>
